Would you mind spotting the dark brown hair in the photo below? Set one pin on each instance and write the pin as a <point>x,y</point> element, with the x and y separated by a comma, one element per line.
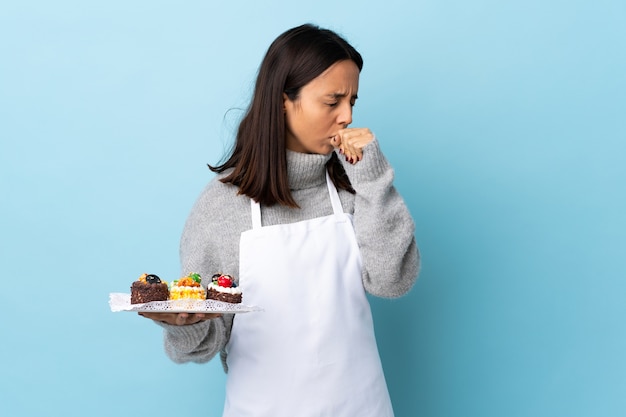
<point>259,155</point>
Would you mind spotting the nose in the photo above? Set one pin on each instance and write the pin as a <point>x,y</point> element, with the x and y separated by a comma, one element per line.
<point>344,117</point>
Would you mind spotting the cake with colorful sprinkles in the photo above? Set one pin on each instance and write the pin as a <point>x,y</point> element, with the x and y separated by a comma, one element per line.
<point>147,288</point>
<point>188,287</point>
<point>224,288</point>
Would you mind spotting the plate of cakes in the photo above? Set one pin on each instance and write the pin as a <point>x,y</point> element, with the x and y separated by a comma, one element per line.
<point>188,294</point>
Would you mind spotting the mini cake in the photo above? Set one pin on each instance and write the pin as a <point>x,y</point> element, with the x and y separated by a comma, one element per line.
<point>187,288</point>
<point>223,288</point>
<point>148,288</point>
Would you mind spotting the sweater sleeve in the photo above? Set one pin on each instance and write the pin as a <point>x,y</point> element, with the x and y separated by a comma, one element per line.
<point>384,227</point>
<point>202,341</point>
<point>196,342</point>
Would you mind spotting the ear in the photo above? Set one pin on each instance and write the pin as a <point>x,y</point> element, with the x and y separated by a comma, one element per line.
<point>285,100</point>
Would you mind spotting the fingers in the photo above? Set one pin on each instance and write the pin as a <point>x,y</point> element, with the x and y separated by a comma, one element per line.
<point>351,142</point>
<point>180,319</point>
<point>184,319</point>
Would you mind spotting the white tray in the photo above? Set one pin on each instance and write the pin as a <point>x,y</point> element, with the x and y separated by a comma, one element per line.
<point>121,302</point>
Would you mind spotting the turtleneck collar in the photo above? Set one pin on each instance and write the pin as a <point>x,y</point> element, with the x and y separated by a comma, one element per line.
<point>306,170</point>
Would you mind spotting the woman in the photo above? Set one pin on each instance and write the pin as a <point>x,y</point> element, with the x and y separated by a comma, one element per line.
<point>304,213</point>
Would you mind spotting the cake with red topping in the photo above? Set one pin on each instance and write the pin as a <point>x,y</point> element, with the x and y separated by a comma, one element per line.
<point>224,288</point>
<point>188,287</point>
<point>147,288</point>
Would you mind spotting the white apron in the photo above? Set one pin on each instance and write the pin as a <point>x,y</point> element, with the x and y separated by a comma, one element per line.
<point>312,351</point>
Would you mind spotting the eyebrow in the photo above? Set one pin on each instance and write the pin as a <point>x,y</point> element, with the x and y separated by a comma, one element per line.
<point>341,95</point>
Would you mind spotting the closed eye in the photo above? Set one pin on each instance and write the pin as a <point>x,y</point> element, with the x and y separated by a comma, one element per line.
<point>338,97</point>
<point>334,104</point>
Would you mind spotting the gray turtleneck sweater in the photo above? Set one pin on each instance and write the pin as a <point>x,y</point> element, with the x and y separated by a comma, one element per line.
<point>210,240</point>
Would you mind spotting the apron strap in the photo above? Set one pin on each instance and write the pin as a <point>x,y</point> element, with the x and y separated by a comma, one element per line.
<point>255,207</point>
<point>256,214</point>
<point>334,195</point>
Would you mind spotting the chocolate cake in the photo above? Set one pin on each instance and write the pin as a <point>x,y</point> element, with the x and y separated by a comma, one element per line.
<point>148,288</point>
<point>224,288</point>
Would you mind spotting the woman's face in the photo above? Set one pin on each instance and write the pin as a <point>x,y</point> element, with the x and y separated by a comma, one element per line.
<point>323,107</point>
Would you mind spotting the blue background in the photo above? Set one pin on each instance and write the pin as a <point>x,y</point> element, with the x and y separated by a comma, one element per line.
<point>505,122</point>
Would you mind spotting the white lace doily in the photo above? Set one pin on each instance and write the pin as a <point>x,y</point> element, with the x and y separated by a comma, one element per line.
<point>121,302</point>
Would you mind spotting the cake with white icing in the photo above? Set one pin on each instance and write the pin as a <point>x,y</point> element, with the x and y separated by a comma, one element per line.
<point>223,288</point>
